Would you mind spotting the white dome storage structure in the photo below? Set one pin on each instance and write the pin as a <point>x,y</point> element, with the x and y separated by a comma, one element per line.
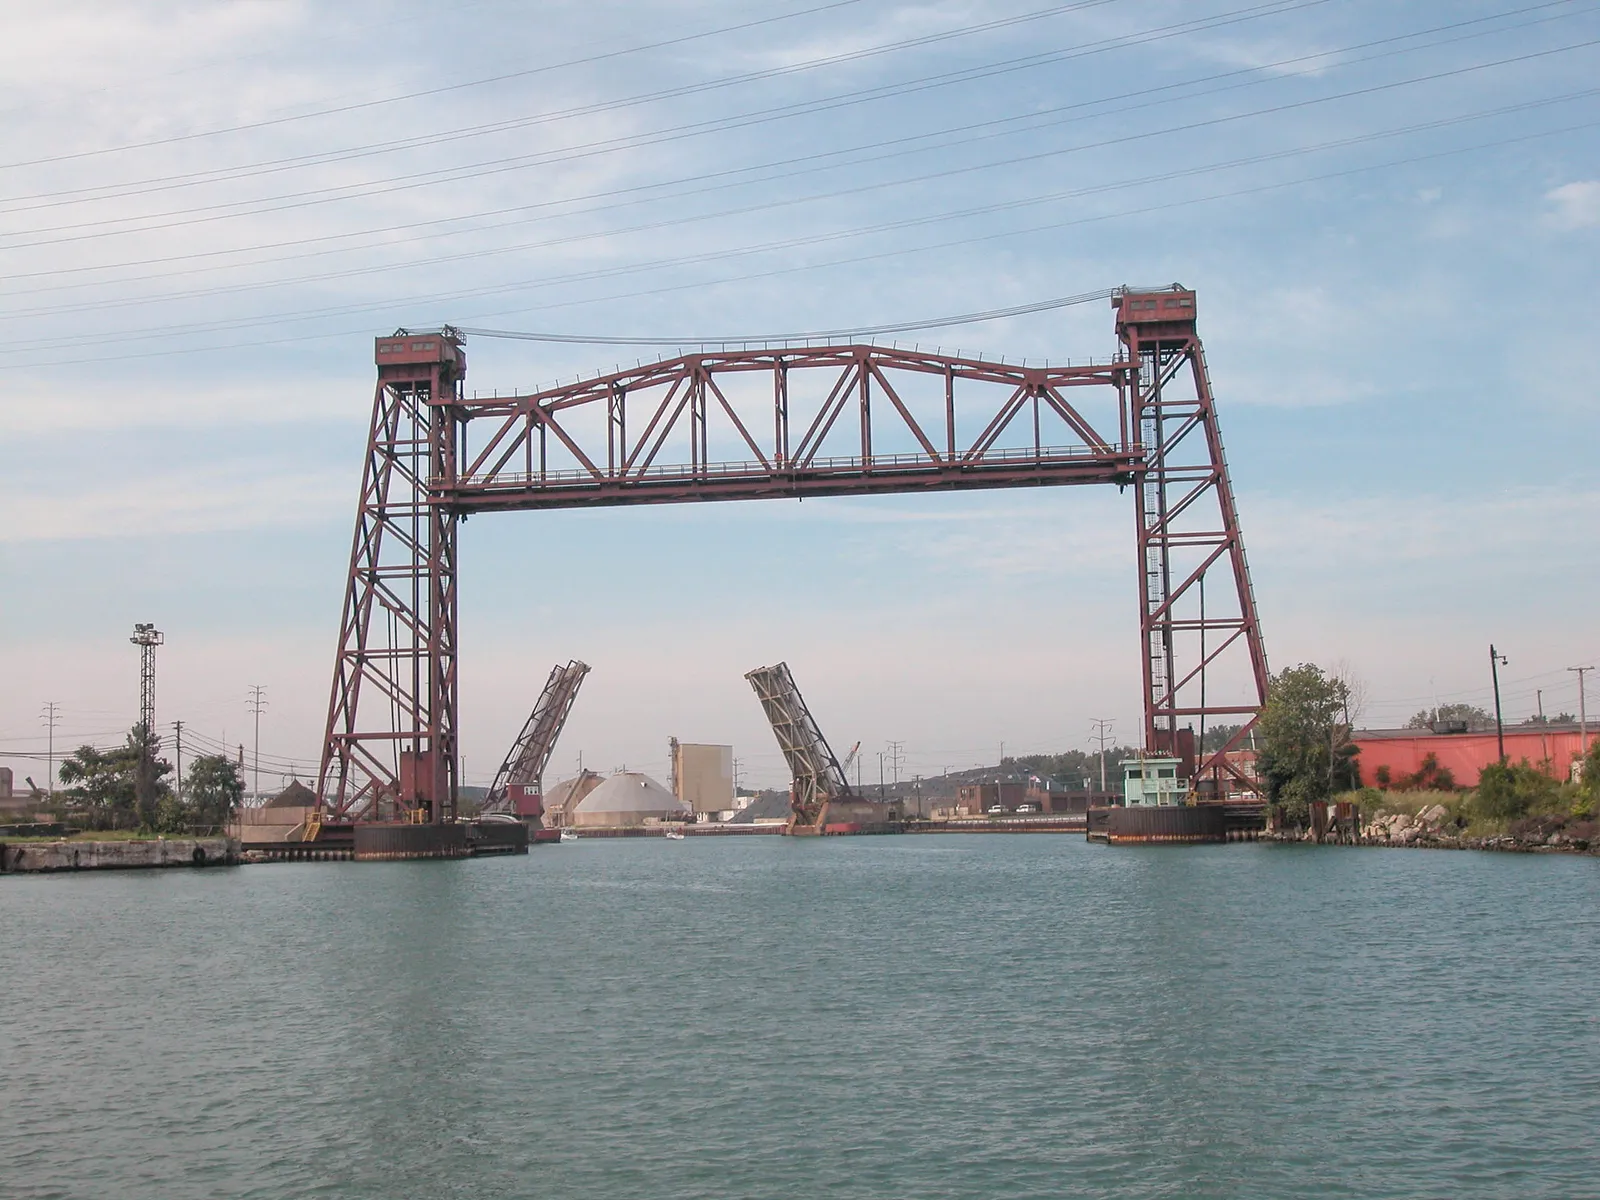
<point>628,798</point>
<point>560,800</point>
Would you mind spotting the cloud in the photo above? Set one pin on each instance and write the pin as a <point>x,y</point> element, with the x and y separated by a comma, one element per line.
<point>1577,204</point>
<point>193,502</point>
<point>33,408</point>
<point>1386,532</point>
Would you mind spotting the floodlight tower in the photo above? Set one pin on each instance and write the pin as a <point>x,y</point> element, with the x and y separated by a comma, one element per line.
<point>147,637</point>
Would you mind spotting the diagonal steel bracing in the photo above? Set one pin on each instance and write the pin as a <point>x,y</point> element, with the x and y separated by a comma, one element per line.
<point>792,421</point>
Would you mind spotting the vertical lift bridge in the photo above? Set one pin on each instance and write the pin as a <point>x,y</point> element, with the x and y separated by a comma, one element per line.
<point>781,421</point>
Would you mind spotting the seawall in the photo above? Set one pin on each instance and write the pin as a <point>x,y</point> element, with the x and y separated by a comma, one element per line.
<point>18,857</point>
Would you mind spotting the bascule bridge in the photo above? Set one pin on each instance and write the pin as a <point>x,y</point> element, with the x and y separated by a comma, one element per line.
<point>771,422</point>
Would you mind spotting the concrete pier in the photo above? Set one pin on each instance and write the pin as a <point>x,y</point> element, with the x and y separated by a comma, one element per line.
<point>64,855</point>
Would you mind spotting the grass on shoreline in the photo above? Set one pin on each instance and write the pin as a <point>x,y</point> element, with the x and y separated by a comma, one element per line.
<point>1562,806</point>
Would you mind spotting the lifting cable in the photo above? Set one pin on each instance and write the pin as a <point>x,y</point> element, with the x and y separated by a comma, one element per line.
<point>993,314</point>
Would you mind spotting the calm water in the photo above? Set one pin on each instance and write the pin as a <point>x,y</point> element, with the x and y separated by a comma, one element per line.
<point>886,1017</point>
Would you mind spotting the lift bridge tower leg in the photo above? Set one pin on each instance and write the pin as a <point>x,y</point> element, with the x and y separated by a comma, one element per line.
<point>397,634</point>
<point>1188,531</point>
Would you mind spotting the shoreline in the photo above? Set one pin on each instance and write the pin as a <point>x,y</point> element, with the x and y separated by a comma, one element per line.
<point>1496,843</point>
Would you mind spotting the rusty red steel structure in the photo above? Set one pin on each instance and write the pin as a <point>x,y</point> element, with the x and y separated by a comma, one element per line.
<point>837,419</point>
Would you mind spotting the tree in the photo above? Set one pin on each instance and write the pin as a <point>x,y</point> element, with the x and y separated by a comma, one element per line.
<point>1217,737</point>
<point>102,784</point>
<point>1476,718</point>
<point>1304,735</point>
<point>213,790</point>
<point>1429,777</point>
<point>1589,783</point>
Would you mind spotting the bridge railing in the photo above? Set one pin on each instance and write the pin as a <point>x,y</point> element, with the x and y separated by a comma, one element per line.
<point>751,468</point>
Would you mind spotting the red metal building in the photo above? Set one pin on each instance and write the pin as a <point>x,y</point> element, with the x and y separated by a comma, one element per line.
<point>1465,755</point>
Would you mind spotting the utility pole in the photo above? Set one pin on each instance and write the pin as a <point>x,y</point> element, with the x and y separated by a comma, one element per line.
<point>894,760</point>
<point>1544,731</point>
<point>50,717</point>
<point>177,734</point>
<point>880,775</point>
<point>255,704</point>
<point>1102,735</point>
<point>1583,713</point>
<point>1495,662</point>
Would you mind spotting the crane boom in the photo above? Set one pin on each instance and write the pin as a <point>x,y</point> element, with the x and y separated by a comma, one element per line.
<point>849,761</point>
<point>519,783</point>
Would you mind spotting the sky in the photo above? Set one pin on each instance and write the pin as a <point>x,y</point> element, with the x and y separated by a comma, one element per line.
<point>1390,213</point>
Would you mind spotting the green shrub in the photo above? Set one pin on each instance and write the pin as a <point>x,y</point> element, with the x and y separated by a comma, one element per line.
<point>1507,792</point>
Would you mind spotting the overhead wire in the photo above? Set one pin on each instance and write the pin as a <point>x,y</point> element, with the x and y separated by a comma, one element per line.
<point>708,186</point>
<point>445,175</point>
<point>853,259</point>
<point>426,93</point>
<point>459,134</point>
<point>67,341</point>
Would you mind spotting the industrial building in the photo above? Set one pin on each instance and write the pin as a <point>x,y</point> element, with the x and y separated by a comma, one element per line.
<point>1391,755</point>
<point>280,819</point>
<point>702,777</point>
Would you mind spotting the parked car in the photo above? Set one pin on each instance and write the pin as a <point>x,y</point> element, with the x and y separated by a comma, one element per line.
<point>995,809</point>
<point>1027,808</point>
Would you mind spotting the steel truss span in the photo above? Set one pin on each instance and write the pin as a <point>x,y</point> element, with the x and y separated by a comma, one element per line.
<point>746,424</point>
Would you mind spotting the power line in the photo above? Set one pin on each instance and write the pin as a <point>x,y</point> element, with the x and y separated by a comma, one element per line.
<point>853,260</point>
<point>790,201</point>
<point>67,341</point>
<point>461,133</point>
<point>1102,735</point>
<point>1145,94</point>
<point>438,91</point>
<point>255,704</point>
<point>445,175</point>
<point>50,719</point>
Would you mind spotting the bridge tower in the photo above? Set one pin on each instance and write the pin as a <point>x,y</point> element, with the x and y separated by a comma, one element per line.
<point>1188,531</point>
<point>397,636</point>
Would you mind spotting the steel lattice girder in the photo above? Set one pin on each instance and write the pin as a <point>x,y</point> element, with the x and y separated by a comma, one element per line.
<point>1188,524</point>
<point>680,400</point>
<point>881,420</point>
<point>390,745</point>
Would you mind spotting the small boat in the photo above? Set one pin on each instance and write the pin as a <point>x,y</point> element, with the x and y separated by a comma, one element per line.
<point>675,835</point>
<point>568,835</point>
